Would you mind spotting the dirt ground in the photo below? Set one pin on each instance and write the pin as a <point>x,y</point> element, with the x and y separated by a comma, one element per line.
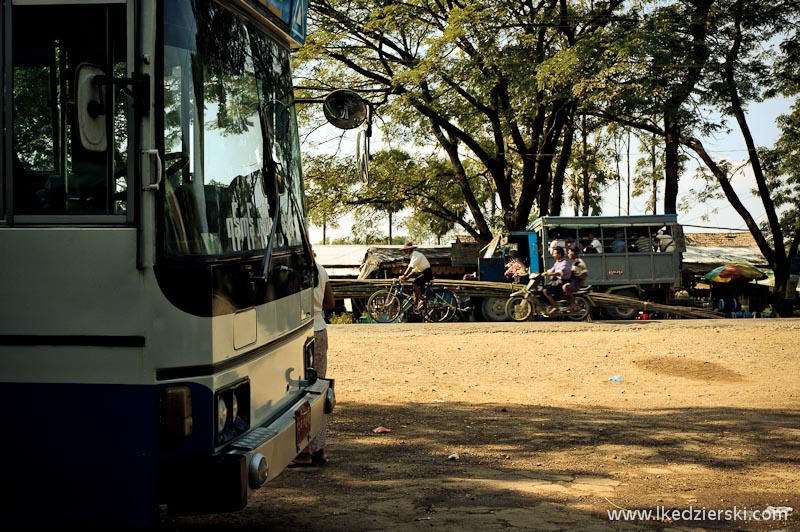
<point>517,426</point>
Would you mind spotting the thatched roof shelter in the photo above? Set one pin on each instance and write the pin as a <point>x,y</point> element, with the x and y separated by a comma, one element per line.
<point>390,261</point>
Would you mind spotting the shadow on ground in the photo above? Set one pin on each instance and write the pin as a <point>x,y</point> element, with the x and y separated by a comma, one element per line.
<point>457,466</point>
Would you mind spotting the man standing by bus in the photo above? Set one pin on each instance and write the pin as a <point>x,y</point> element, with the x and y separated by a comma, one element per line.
<point>418,263</point>
<point>314,454</point>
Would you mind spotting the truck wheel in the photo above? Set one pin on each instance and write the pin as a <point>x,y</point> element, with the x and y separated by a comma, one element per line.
<point>518,308</point>
<point>624,313</point>
<point>494,309</point>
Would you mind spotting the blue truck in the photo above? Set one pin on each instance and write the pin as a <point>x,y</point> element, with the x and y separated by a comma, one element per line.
<point>633,256</point>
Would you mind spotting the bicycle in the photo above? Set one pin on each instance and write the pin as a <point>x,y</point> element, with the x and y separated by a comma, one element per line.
<point>386,306</point>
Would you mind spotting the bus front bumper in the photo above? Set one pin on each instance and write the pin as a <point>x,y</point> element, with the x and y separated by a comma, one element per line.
<point>224,482</point>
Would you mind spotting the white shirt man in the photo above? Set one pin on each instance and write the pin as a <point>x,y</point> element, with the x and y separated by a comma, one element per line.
<point>418,262</point>
<point>420,265</point>
<point>320,294</point>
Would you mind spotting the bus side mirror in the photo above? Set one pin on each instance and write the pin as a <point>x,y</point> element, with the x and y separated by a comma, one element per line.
<point>91,107</point>
<point>345,109</point>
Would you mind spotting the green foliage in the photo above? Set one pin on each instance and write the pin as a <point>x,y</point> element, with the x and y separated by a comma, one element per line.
<point>344,318</point>
<point>590,169</point>
<point>649,171</point>
<point>466,77</point>
<point>329,183</point>
<point>782,170</point>
<point>497,86</point>
<point>33,129</point>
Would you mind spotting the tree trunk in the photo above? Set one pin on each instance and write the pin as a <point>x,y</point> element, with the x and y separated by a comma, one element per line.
<point>482,233</point>
<point>653,178</point>
<point>561,165</point>
<point>628,204</point>
<point>671,165</point>
<point>776,255</point>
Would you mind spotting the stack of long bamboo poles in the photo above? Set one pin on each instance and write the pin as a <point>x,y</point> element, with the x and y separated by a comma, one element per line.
<point>599,299</point>
<point>363,288</point>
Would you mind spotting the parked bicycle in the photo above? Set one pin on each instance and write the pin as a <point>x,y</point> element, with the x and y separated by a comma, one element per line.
<point>393,304</point>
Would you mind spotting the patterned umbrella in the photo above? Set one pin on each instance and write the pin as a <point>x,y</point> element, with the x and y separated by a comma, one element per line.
<point>735,273</point>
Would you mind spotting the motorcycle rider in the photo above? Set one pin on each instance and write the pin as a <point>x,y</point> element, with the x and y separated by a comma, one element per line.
<point>561,272</point>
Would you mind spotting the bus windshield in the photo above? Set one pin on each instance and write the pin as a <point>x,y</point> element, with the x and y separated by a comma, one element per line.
<point>232,176</point>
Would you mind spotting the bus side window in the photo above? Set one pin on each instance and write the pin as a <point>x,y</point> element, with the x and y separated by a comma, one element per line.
<point>52,173</point>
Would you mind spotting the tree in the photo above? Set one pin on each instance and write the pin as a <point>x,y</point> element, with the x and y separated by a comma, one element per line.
<point>649,70</point>
<point>782,170</point>
<point>650,170</point>
<point>397,183</point>
<point>328,182</point>
<point>721,62</point>
<point>465,76</point>
<point>589,169</point>
<point>746,58</point>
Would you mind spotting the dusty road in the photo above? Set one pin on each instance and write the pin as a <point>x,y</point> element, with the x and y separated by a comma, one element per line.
<point>517,426</point>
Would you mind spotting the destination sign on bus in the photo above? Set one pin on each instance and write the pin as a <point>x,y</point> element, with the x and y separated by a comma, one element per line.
<point>293,13</point>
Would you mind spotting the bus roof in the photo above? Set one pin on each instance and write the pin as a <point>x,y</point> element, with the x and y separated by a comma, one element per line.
<point>289,16</point>
<point>579,222</point>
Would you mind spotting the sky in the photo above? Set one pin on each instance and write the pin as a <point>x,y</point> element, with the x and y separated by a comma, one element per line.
<point>717,216</point>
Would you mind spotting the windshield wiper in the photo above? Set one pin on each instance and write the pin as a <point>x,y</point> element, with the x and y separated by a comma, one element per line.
<point>266,262</point>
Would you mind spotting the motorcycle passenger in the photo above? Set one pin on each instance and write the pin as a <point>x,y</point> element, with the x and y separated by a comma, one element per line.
<point>561,272</point>
<point>579,274</point>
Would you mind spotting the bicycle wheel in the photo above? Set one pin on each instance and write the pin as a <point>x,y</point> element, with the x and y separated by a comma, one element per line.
<point>383,306</point>
<point>441,305</point>
<point>518,308</point>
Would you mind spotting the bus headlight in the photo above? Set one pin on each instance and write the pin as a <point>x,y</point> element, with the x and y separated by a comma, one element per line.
<point>232,405</point>
<point>222,414</point>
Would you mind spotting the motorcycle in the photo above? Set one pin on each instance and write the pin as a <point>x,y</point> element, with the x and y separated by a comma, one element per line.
<point>530,301</point>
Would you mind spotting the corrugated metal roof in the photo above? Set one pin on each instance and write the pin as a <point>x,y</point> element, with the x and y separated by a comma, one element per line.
<point>738,239</point>
<point>702,259</point>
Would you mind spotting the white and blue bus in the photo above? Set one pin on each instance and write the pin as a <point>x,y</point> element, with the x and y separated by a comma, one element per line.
<point>156,343</point>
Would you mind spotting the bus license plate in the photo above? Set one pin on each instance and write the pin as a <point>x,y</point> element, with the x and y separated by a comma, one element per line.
<point>302,424</point>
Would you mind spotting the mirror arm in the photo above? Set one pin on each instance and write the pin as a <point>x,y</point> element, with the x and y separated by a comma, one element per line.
<point>137,87</point>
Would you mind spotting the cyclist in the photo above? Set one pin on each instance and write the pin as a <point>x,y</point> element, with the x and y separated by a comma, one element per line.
<point>419,264</point>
